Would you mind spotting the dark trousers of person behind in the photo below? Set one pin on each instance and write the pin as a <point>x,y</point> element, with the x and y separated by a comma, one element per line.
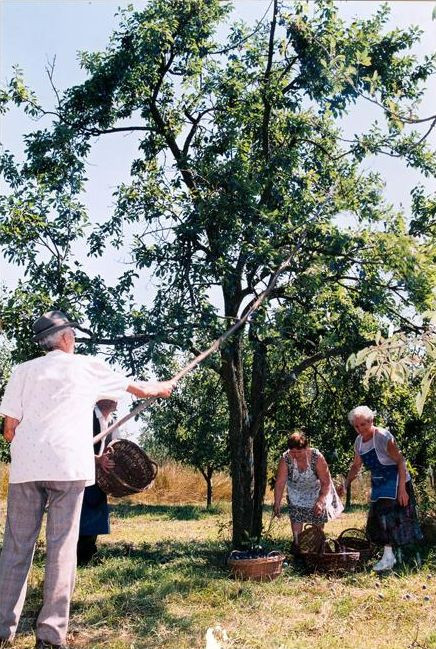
<point>86,549</point>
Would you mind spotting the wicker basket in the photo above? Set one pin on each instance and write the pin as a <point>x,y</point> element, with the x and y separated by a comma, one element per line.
<point>357,541</point>
<point>331,558</point>
<point>264,568</point>
<point>311,539</point>
<point>133,471</point>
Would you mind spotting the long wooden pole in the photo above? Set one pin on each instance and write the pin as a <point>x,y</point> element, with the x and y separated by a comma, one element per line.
<point>203,355</point>
<point>214,347</point>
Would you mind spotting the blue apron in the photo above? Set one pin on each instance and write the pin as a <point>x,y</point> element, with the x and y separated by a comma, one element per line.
<point>94,517</point>
<point>384,477</point>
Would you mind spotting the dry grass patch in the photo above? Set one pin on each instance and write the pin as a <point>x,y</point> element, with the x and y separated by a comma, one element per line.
<point>178,484</point>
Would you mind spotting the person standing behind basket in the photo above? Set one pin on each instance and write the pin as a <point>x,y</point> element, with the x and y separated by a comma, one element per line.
<point>392,517</point>
<point>47,406</point>
<point>94,517</point>
<point>312,497</point>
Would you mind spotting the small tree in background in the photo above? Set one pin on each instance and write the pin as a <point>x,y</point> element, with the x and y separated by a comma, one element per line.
<point>193,426</point>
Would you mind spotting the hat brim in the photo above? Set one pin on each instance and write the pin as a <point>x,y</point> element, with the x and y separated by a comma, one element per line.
<point>52,330</point>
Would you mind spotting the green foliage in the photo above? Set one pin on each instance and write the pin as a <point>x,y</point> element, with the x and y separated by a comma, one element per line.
<point>401,357</point>
<point>5,371</point>
<point>193,425</point>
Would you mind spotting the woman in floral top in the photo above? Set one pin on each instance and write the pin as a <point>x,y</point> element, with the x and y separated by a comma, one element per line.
<point>311,495</point>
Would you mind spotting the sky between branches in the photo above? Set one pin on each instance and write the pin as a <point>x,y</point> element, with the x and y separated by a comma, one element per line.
<point>33,32</point>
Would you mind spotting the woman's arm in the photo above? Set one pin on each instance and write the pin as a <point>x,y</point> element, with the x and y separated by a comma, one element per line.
<point>323,473</point>
<point>352,473</point>
<point>281,478</point>
<point>395,454</point>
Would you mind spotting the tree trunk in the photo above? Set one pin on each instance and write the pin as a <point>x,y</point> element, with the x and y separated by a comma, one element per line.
<point>241,444</point>
<point>209,487</point>
<point>348,498</point>
<point>207,475</point>
<point>260,466</point>
<point>258,382</point>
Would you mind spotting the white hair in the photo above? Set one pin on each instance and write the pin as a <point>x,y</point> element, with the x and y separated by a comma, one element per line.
<point>361,411</point>
<point>51,341</point>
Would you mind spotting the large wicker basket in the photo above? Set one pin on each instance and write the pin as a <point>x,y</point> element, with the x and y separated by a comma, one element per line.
<point>331,558</point>
<point>134,471</point>
<point>357,541</point>
<point>265,568</point>
<point>311,539</point>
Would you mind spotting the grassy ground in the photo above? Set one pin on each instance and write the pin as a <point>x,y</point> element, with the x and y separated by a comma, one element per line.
<point>161,581</point>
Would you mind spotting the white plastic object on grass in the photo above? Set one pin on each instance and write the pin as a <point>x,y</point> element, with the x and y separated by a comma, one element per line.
<point>216,637</point>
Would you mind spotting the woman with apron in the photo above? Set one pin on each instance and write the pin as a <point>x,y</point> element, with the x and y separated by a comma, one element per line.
<point>392,518</point>
<point>94,517</point>
<point>312,497</point>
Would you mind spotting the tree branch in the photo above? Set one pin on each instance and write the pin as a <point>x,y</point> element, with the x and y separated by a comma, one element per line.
<point>266,78</point>
<point>246,38</point>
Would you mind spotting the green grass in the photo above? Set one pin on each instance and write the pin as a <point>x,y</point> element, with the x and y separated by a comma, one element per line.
<point>161,581</point>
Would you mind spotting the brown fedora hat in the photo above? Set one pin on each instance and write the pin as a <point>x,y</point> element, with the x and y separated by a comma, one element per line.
<point>49,323</point>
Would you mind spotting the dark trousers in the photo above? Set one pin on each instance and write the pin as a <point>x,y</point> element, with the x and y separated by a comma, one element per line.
<point>86,549</point>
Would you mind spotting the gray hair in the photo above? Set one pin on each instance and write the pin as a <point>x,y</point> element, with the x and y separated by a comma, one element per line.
<point>51,341</point>
<point>361,411</point>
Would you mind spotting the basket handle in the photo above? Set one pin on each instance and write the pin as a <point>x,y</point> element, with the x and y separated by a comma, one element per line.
<point>234,553</point>
<point>326,542</point>
<point>155,468</point>
<point>353,529</point>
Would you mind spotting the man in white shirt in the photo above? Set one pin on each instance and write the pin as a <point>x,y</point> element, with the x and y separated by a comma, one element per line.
<point>47,408</point>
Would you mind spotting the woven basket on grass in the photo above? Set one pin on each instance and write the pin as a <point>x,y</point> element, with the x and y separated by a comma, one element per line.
<point>133,471</point>
<point>311,539</point>
<point>357,541</point>
<point>331,558</point>
<point>264,568</point>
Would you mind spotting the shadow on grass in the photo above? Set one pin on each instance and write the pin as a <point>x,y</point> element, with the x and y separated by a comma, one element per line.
<point>358,507</point>
<point>208,554</point>
<point>161,588</point>
<point>138,583</point>
<point>142,582</point>
<point>170,512</point>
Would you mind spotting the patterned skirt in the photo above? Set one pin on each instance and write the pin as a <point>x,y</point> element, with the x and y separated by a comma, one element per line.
<point>391,524</point>
<point>306,515</point>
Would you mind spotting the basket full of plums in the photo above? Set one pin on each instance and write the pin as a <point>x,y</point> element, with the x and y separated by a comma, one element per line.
<point>256,564</point>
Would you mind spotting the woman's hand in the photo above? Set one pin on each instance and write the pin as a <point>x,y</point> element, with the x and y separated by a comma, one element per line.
<point>403,496</point>
<point>319,506</point>
<point>105,462</point>
<point>276,509</point>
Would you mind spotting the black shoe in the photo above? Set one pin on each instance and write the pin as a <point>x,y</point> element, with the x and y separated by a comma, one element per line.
<point>43,644</point>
